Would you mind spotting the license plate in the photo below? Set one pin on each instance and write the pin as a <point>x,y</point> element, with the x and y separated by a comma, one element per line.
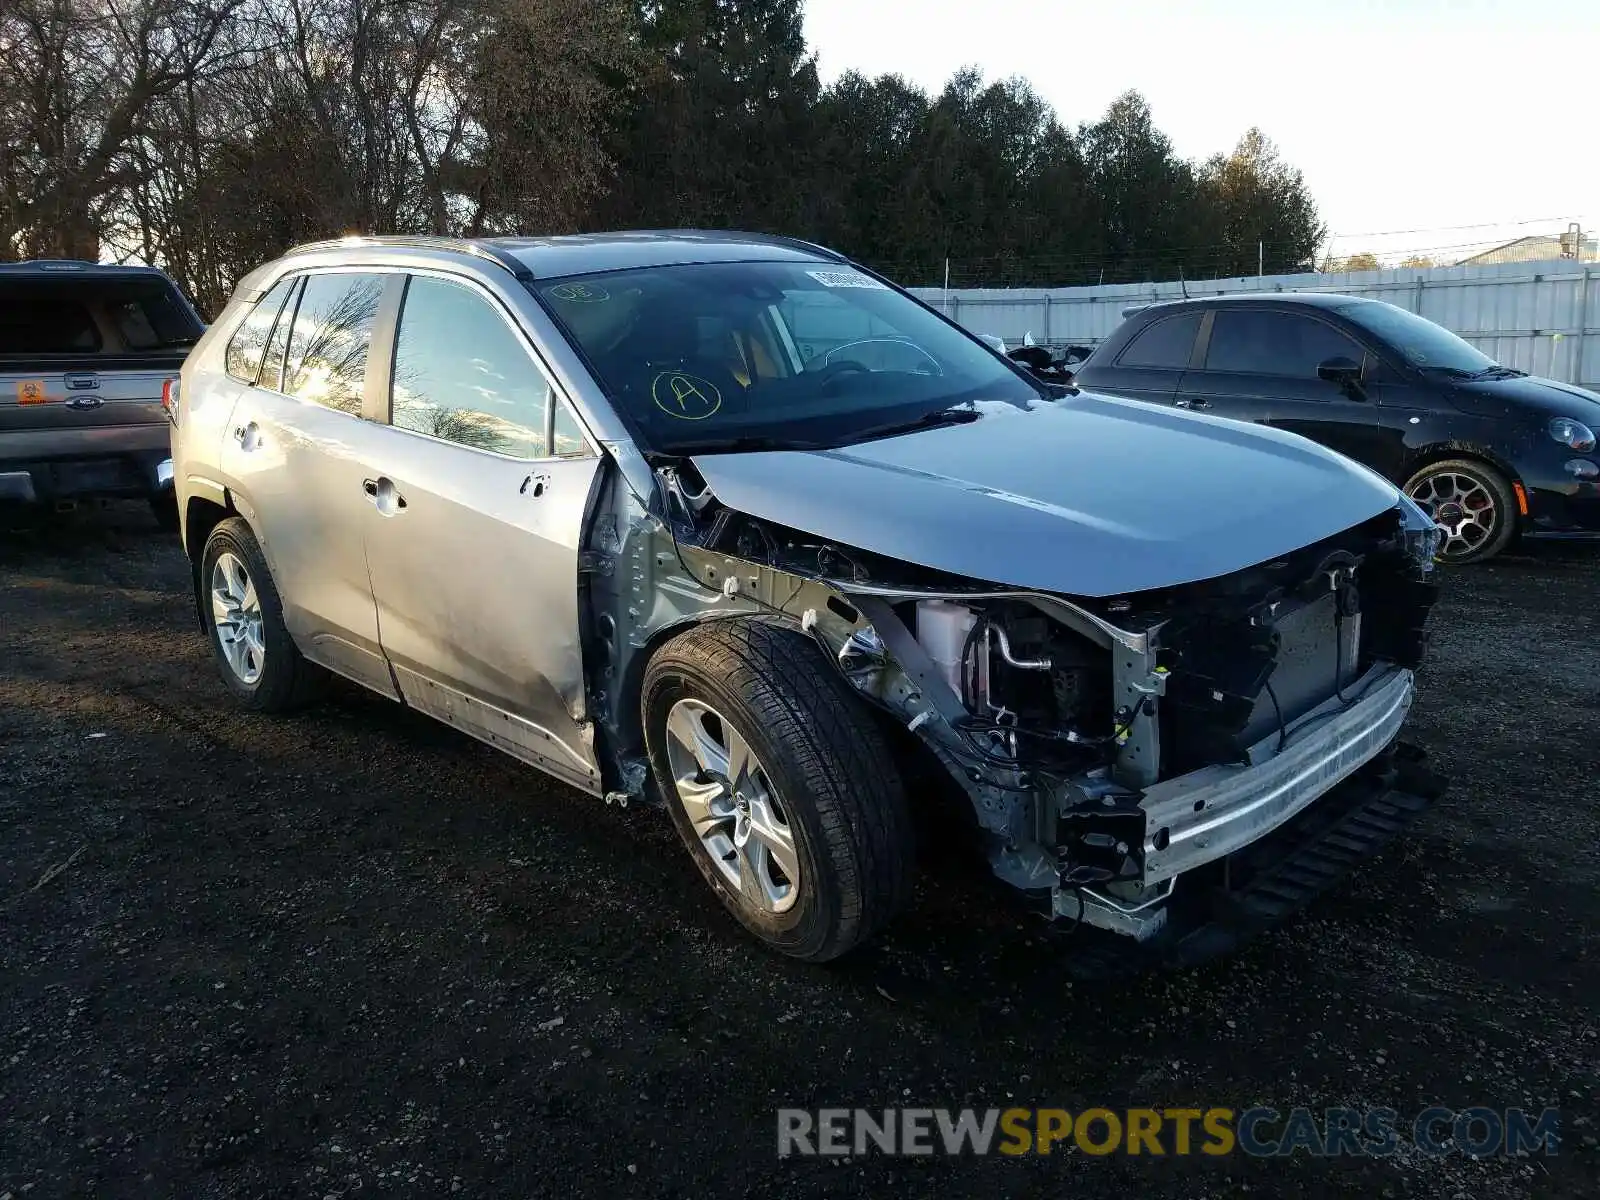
<point>31,391</point>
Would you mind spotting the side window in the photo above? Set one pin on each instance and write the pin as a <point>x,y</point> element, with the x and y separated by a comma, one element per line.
<point>1164,345</point>
<point>568,441</point>
<point>462,374</point>
<point>1261,342</point>
<point>249,341</point>
<point>332,334</point>
<point>278,344</point>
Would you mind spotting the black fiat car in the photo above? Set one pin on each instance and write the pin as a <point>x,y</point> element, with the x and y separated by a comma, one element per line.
<point>1491,452</point>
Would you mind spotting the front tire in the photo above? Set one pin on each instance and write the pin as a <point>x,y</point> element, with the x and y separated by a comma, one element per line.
<point>1473,502</point>
<point>258,660</point>
<point>780,784</point>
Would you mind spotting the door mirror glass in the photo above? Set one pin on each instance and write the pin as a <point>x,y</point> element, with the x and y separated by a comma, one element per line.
<point>1346,372</point>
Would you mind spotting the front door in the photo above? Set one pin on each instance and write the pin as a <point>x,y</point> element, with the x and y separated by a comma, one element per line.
<point>476,507</point>
<point>1261,365</point>
<point>295,455</point>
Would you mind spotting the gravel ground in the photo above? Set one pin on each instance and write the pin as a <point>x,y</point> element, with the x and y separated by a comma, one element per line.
<point>355,951</point>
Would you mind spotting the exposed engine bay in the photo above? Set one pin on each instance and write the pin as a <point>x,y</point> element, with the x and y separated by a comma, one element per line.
<point>1109,747</point>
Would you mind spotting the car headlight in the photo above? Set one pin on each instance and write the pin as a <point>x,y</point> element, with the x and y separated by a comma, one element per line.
<point>1575,435</point>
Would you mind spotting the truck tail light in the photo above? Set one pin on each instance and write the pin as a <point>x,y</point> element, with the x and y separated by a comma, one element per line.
<point>169,398</point>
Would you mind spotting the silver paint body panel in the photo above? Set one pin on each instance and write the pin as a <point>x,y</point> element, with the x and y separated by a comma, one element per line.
<point>476,584</point>
<point>1087,495</point>
<point>464,603</point>
<point>301,466</point>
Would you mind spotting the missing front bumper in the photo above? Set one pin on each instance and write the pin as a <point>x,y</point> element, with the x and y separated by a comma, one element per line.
<point>1212,814</point>
<point>1213,910</point>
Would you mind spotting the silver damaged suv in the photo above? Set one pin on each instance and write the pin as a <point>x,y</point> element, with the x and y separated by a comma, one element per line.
<point>734,525</point>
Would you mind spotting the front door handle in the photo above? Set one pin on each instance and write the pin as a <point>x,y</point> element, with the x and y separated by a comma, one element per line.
<point>382,492</point>
<point>1186,402</point>
<point>534,484</point>
<point>248,436</point>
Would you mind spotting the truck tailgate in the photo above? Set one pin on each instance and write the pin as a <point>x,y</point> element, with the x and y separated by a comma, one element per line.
<point>121,390</point>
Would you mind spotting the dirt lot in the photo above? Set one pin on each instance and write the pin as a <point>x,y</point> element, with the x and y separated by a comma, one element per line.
<point>354,951</point>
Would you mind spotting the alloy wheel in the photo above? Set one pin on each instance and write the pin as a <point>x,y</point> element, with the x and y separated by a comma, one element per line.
<point>236,612</point>
<point>731,804</point>
<point>1463,506</point>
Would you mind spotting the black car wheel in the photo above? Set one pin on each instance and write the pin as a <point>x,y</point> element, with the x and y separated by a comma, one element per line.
<point>1474,504</point>
<point>780,784</point>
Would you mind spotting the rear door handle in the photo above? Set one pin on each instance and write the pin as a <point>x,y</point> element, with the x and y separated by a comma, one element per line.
<point>383,494</point>
<point>248,436</point>
<point>534,484</point>
<point>1186,402</point>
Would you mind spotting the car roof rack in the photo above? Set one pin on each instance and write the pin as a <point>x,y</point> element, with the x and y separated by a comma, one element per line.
<point>473,246</point>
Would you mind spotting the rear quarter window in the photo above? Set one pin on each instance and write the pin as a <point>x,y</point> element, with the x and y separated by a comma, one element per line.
<point>1164,345</point>
<point>249,341</point>
<point>45,325</point>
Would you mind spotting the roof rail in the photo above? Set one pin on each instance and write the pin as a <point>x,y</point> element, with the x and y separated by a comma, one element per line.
<point>801,244</point>
<point>473,246</point>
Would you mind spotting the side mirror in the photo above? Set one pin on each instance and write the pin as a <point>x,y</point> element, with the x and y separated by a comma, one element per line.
<point>1345,372</point>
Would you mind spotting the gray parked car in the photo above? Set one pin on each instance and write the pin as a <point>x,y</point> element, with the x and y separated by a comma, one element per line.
<point>87,356</point>
<point>732,523</point>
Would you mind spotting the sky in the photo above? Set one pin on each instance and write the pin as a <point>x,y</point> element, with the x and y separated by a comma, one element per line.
<point>1450,125</point>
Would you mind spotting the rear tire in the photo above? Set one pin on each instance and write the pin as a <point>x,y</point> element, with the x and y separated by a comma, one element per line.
<point>818,781</point>
<point>258,660</point>
<point>1475,504</point>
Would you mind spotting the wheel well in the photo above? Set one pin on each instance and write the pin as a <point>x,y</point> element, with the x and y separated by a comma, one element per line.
<point>1445,450</point>
<point>625,715</point>
<point>199,519</point>
<point>918,764</point>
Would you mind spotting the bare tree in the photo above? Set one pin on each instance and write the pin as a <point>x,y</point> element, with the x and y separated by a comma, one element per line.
<point>88,76</point>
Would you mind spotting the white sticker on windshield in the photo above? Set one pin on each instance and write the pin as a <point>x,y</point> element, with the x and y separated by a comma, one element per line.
<point>846,279</point>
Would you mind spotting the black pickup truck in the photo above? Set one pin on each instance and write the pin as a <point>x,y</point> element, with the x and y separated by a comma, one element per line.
<point>88,354</point>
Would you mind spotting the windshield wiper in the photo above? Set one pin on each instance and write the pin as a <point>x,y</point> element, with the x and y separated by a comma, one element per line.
<point>932,420</point>
<point>743,443</point>
<point>1492,371</point>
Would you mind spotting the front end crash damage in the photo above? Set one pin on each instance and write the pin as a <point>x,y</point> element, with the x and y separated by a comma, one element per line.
<point>1157,765</point>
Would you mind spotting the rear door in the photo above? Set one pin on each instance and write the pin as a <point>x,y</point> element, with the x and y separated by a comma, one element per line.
<point>1260,364</point>
<point>296,454</point>
<point>1151,366</point>
<point>476,504</point>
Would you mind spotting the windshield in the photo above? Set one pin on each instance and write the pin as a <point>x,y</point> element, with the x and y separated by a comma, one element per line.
<point>708,356</point>
<point>1422,343</point>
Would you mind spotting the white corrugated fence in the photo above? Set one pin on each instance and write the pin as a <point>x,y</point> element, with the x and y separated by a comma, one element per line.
<point>1543,318</point>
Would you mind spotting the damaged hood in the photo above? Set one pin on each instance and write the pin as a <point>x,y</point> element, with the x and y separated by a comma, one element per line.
<point>1088,495</point>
